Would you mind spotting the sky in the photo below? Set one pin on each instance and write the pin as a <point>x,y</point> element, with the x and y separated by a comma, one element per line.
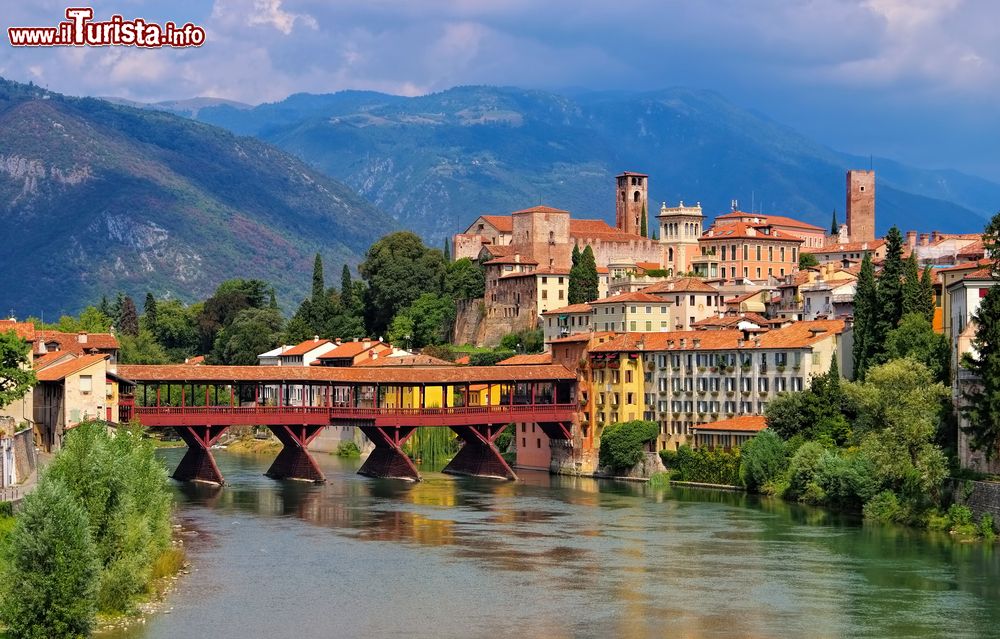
<point>913,80</point>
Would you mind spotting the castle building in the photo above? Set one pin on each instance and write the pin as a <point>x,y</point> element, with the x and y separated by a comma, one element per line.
<point>861,205</point>
<point>631,201</point>
<point>680,228</point>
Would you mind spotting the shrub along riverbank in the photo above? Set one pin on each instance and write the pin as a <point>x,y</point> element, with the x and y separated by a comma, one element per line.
<point>866,446</point>
<point>92,538</point>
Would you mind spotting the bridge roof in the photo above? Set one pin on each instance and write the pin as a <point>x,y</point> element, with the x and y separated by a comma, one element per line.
<point>178,373</point>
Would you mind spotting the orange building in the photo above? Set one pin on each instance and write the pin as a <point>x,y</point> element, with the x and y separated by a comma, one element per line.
<point>812,236</point>
<point>740,250</point>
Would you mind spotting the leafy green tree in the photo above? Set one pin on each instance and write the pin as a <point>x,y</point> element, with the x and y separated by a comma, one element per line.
<point>899,406</point>
<point>149,312</point>
<point>465,280</point>
<point>51,574</point>
<point>802,470</point>
<point>623,443</point>
<point>428,320</point>
<point>890,289</point>
<point>866,309</point>
<point>122,487</point>
<point>252,331</point>
<point>915,338</point>
<point>104,308</point>
<point>16,375</point>
<point>141,349</point>
<point>815,413</point>
<point>398,269</point>
<point>401,330</point>
<point>176,329</point>
<point>982,400</point>
<point>847,481</point>
<point>526,341</point>
<point>90,320</point>
<point>128,317</point>
<point>762,460</point>
<point>231,297</point>
<point>807,260</point>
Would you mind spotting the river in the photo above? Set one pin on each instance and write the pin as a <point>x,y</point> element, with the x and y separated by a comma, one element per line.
<point>551,556</point>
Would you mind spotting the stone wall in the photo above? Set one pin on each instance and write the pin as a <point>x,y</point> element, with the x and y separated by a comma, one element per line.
<point>980,496</point>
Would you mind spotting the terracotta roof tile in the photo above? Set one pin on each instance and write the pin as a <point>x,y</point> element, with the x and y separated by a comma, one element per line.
<point>405,360</point>
<point>528,359</point>
<point>637,296</point>
<point>873,245</point>
<point>732,320</point>
<point>737,229</point>
<point>572,308</point>
<point>351,349</point>
<point>795,335</point>
<point>502,223</point>
<point>976,249</point>
<point>777,220</point>
<point>304,347</point>
<point>745,423</point>
<point>47,359</point>
<point>681,285</point>
<point>512,258</point>
<point>71,341</point>
<point>75,365</point>
<point>24,330</point>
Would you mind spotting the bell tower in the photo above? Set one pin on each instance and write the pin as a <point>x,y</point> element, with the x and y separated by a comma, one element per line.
<point>680,228</point>
<point>631,199</point>
<point>861,205</point>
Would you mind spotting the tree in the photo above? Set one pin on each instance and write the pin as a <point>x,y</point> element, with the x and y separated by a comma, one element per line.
<point>644,222</point>
<point>915,338</point>
<point>428,320</point>
<point>589,280</point>
<point>574,294</point>
<point>141,349</point>
<point>175,329</point>
<point>912,291</point>
<point>16,375</point>
<point>623,443</point>
<point>762,460</point>
<point>346,288</point>
<point>982,399</point>
<point>398,269</point>
<point>890,289</point>
<point>807,260</point>
<point>231,297</point>
<point>105,307</point>
<point>318,286</point>
<point>866,311</point>
<point>149,311</point>
<point>834,227</point>
<point>447,250</point>
<point>465,280</point>
<point>253,331</point>
<point>927,303</point>
<point>51,573</point>
<point>526,341</point>
<point>128,317</point>
<point>898,407</point>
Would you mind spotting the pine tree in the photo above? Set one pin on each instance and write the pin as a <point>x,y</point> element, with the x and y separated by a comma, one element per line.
<point>865,317</point>
<point>983,399</point>
<point>912,291</point>
<point>643,222</point>
<point>589,280</point>
<point>128,317</point>
<point>834,227</point>
<point>105,307</point>
<point>319,287</point>
<point>927,302</point>
<point>149,311</point>
<point>890,289</point>
<point>273,302</point>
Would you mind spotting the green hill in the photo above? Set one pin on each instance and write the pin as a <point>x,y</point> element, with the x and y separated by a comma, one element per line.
<point>97,197</point>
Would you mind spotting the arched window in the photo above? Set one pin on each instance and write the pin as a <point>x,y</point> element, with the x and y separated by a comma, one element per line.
<point>635,196</point>
<point>670,255</point>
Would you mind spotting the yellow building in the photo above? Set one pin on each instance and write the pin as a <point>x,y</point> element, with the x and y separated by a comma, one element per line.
<point>631,312</point>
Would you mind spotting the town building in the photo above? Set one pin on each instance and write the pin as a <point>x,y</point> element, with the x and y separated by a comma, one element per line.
<point>631,312</point>
<point>861,205</point>
<point>567,320</point>
<point>812,236</point>
<point>353,353</point>
<point>728,433</point>
<point>680,228</point>
<point>685,379</point>
<point>690,298</point>
<point>755,251</point>
<point>851,253</point>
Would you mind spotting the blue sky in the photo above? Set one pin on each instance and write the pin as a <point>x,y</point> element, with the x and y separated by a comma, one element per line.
<point>915,80</point>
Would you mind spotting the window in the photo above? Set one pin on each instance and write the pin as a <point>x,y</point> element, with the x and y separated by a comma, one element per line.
<point>746,252</point>
<point>560,294</point>
<point>649,326</point>
<point>692,301</point>
<point>629,398</point>
<point>631,326</point>
<point>770,254</point>
<point>758,252</point>
<point>628,377</point>
<point>545,280</point>
<point>86,384</point>
<point>545,294</point>
<point>723,253</point>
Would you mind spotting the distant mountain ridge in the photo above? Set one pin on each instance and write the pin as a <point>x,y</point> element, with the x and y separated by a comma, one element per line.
<point>97,197</point>
<point>434,162</point>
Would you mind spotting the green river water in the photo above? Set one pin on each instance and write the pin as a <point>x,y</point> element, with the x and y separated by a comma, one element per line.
<point>552,557</point>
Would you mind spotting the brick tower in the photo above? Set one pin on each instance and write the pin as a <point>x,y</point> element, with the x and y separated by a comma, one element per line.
<point>631,199</point>
<point>861,205</point>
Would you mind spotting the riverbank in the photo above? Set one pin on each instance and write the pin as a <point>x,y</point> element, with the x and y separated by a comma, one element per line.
<point>249,445</point>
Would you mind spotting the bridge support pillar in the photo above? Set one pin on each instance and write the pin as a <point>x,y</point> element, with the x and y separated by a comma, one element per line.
<point>198,463</point>
<point>294,460</point>
<point>478,456</point>
<point>388,459</point>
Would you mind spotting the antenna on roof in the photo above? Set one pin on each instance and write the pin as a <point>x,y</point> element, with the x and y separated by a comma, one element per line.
<point>870,161</point>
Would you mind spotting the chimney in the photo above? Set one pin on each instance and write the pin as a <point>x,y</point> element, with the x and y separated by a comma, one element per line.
<point>741,342</point>
<point>683,342</point>
<point>81,337</point>
<point>367,340</point>
<point>924,239</point>
<point>697,342</point>
<point>935,237</point>
<point>338,341</point>
<point>911,239</point>
<point>756,342</point>
<point>315,338</point>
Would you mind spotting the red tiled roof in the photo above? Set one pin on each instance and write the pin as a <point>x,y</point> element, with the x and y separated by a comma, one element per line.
<point>463,360</point>
<point>75,365</point>
<point>965,266</point>
<point>637,296</point>
<point>795,335</point>
<point>528,359</point>
<point>405,360</point>
<point>502,223</point>
<point>513,258</point>
<point>351,349</point>
<point>776,220</point>
<point>649,266</point>
<point>498,250</point>
<point>46,359</point>
<point>872,245</point>
<point>541,208</point>
<point>738,229</point>
<point>976,249</point>
<point>681,285</point>
<point>70,342</point>
<point>739,299</point>
<point>743,423</point>
<point>733,320</point>
<point>344,374</point>
<point>24,330</point>
<point>304,347</point>
<point>197,360</point>
<point>572,308</point>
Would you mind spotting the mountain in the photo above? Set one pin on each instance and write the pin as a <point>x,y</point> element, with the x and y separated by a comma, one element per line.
<point>97,197</point>
<point>435,162</point>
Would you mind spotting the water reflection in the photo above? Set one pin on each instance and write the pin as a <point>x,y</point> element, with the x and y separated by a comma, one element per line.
<point>556,557</point>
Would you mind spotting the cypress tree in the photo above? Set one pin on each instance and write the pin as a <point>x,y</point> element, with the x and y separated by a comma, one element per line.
<point>983,399</point>
<point>573,296</point>
<point>319,287</point>
<point>927,294</point>
<point>890,289</point>
<point>865,316</point>
<point>912,291</point>
<point>447,250</point>
<point>128,317</point>
<point>834,227</point>
<point>149,311</point>
<point>346,288</point>
<point>589,280</point>
<point>643,223</point>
